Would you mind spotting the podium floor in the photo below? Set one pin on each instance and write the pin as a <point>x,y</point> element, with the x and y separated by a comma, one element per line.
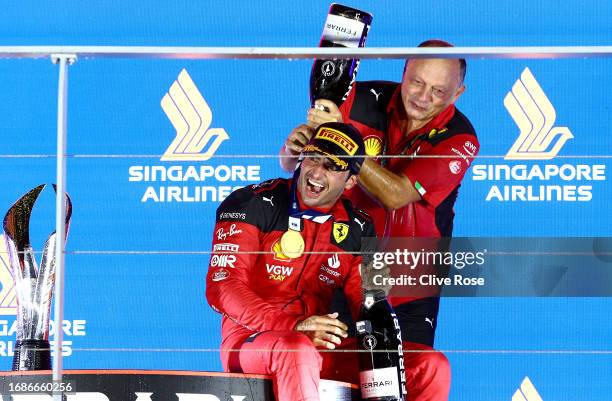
<point>153,385</point>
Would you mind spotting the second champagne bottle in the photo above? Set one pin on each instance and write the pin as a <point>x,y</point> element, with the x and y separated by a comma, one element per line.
<point>382,376</point>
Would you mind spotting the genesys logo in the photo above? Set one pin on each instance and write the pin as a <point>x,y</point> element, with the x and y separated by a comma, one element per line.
<point>8,311</point>
<point>526,392</point>
<point>538,139</point>
<point>195,140</point>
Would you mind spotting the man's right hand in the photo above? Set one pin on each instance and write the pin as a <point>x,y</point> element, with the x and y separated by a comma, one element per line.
<point>324,111</point>
<point>325,331</point>
<point>297,139</point>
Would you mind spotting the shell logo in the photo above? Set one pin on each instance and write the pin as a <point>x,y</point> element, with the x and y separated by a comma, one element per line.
<point>278,252</point>
<point>373,146</point>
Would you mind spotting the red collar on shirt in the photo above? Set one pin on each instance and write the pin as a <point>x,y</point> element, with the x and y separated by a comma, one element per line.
<point>395,111</point>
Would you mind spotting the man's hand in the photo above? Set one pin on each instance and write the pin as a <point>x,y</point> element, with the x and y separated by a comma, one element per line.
<point>297,139</point>
<point>325,331</point>
<point>324,111</point>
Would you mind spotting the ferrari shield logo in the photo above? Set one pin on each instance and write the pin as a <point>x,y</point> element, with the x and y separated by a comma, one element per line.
<point>340,231</point>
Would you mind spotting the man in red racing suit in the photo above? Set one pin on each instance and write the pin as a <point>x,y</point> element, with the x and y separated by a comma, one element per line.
<point>275,306</point>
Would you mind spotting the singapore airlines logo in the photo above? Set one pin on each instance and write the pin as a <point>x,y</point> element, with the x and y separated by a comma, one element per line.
<point>191,117</point>
<point>526,392</point>
<point>195,142</point>
<point>8,302</point>
<point>534,115</point>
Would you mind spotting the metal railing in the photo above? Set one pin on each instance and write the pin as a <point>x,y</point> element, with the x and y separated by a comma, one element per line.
<point>64,56</point>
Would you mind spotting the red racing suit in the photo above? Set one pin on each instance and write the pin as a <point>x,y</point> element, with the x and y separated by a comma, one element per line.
<point>262,294</point>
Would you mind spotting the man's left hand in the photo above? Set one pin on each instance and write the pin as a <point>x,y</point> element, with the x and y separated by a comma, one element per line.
<point>325,331</point>
<point>324,111</point>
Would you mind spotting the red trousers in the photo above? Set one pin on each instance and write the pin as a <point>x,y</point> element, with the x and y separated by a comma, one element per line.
<point>296,366</point>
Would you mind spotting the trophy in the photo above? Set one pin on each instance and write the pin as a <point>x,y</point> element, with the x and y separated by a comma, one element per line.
<point>33,285</point>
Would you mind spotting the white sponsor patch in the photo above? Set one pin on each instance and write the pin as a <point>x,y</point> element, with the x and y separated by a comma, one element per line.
<point>329,271</point>
<point>454,166</point>
<point>458,152</point>
<point>333,261</point>
<point>223,261</point>
<point>379,383</point>
<point>222,234</point>
<point>276,269</point>
<point>232,215</point>
<point>226,247</point>
<point>469,148</point>
<point>326,279</point>
<point>220,274</point>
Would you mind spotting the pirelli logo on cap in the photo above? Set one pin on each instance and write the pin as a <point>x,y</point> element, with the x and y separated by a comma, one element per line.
<point>339,138</point>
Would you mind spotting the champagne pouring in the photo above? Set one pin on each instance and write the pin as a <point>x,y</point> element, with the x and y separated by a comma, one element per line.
<point>333,79</point>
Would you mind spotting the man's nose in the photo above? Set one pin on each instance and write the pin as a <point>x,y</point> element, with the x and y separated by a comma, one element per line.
<point>317,170</point>
<point>424,94</point>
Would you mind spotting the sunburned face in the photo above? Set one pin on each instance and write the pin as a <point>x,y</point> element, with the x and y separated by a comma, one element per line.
<point>319,184</point>
<point>428,87</point>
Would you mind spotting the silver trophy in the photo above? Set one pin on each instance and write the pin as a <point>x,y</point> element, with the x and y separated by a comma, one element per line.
<point>33,284</point>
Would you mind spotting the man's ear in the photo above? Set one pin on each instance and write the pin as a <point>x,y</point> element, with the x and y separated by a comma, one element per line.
<point>350,182</point>
<point>458,93</point>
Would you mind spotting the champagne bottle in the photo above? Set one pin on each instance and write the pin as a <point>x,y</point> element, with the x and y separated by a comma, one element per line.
<point>382,376</point>
<point>333,79</point>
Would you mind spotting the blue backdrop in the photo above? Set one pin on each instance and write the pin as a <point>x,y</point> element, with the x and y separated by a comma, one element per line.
<point>146,308</point>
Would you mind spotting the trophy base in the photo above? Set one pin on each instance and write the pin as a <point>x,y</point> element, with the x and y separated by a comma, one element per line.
<point>32,355</point>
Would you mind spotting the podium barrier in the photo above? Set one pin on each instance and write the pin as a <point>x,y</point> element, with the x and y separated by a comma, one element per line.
<point>153,385</point>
